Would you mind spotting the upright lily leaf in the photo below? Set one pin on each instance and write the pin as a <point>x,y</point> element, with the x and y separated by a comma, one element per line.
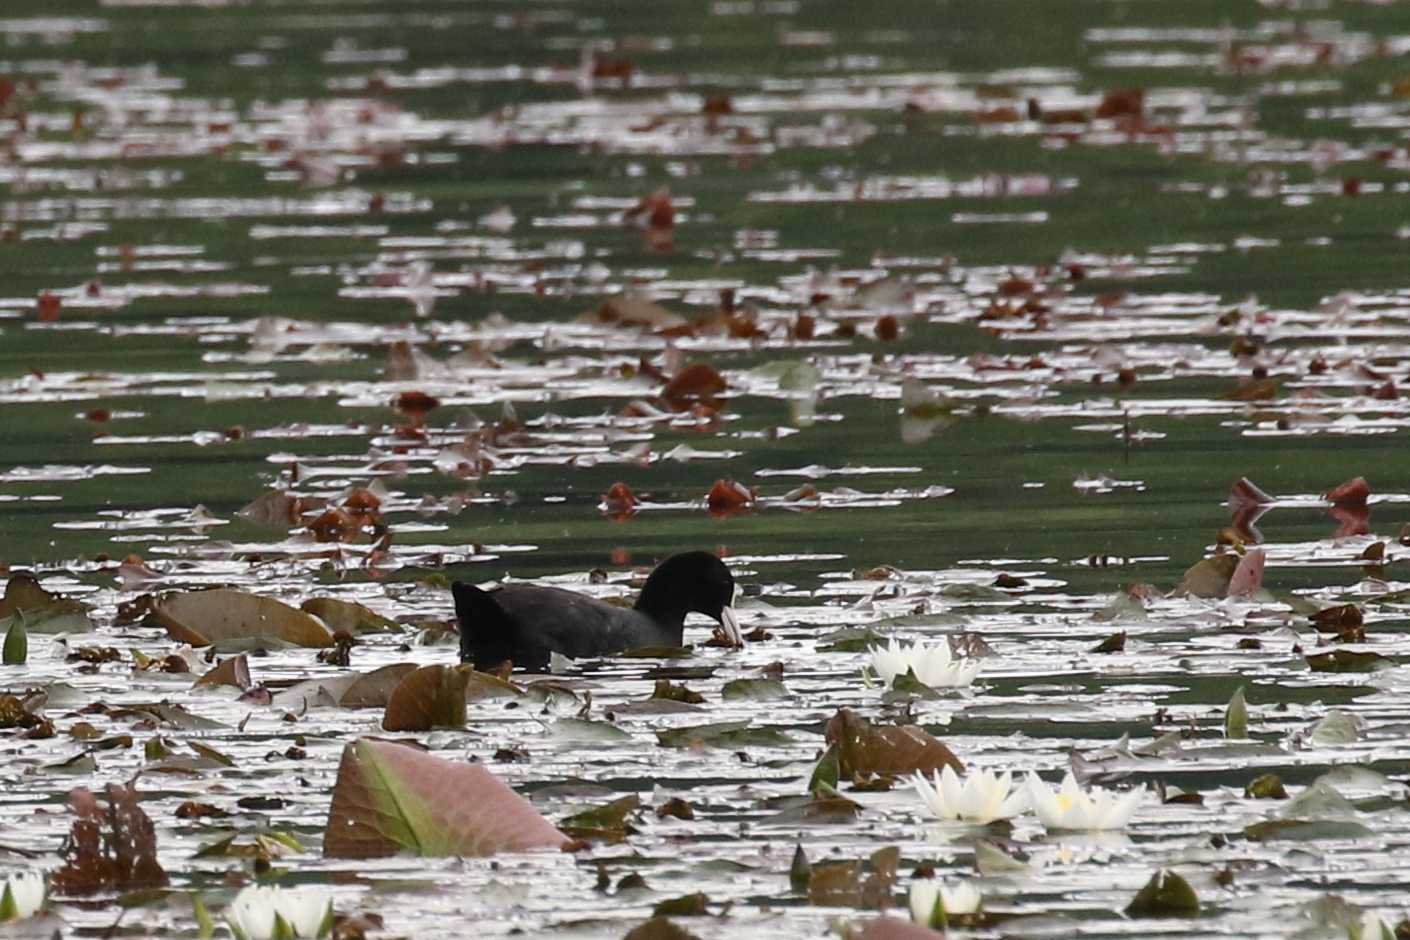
<point>1165,895</point>
<point>16,650</point>
<point>429,697</point>
<point>1236,716</point>
<point>1210,577</point>
<point>205,617</point>
<point>1248,574</point>
<point>390,798</point>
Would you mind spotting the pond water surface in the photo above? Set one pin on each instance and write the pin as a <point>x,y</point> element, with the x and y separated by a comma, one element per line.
<point>1004,297</point>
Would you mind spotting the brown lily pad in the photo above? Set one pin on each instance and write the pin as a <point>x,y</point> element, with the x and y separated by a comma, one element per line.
<point>864,748</point>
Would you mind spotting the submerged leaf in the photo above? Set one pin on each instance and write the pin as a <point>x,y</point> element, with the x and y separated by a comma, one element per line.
<point>112,844</point>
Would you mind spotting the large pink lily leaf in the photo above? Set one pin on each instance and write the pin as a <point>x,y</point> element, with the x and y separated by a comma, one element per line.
<point>392,798</point>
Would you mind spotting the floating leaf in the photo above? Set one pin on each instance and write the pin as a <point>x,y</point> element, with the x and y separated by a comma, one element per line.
<point>233,671</point>
<point>690,905</point>
<point>201,618</point>
<point>1344,660</point>
<point>348,617</point>
<point>1266,787</point>
<point>1112,644</point>
<point>1167,894</point>
<point>390,798</point>
<point>43,611</point>
<point>753,690</point>
<point>1337,619</point>
<point>608,821</point>
<point>658,928</point>
<point>863,748</point>
<point>1304,830</point>
<point>722,734</point>
<point>850,640</point>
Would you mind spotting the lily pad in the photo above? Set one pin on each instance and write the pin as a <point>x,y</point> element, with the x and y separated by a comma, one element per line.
<point>201,618</point>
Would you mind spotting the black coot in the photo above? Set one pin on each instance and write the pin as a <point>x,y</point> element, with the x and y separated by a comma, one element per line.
<point>524,623</point>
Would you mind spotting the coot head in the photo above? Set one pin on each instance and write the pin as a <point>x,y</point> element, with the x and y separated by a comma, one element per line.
<point>691,582</point>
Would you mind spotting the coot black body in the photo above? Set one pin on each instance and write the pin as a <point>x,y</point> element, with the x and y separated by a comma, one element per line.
<point>525,623</point>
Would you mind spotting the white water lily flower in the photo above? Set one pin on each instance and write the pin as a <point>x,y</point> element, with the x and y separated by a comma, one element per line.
<point>1073,808</point>
<point>259,913</point>
<point>23,895</point>
<point>958,900</point>
<point>981,797</point>
<point>1372,926</point>
<point>932,664</point>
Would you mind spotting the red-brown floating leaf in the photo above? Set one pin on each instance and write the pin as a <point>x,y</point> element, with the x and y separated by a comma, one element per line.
<point>727,497</point>
<point>201,618</point>
<point>426,698</point>
<point>47,305</point>
<point>887,329</point>
<point>110,846</point>
<point>362,502</point>
<point>233,670</point>
<point>416,405</point>
<point>1338,618</point>
<point>698,382</point>
<point>1122,102</point>
<point>335,525</point>
<point>717,104</point>
<point>864,748</point>
<point>635,311</point>
<point>619,502</point>
<point>390,798</point>
<point>652,211</point>
<point>1255,390</point>
<point>1349,494</point>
